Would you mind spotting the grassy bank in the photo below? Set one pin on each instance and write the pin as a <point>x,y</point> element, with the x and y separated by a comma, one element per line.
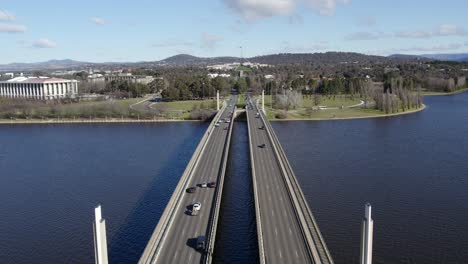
<point>325,101</point>
<point>127,109</point>
<point>445,93</point>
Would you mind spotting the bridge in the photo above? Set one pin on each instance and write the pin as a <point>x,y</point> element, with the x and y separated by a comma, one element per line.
<point>286,229</point>
<point>174,239</point>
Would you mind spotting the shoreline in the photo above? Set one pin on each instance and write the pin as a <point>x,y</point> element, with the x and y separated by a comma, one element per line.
<point>445,94</point>
<point>91,121</point>
<point>351,118</point>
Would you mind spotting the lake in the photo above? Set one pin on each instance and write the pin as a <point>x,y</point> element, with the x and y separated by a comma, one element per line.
<point>413,169</point>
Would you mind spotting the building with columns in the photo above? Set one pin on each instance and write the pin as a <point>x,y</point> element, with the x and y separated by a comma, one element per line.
<point>41,88</point>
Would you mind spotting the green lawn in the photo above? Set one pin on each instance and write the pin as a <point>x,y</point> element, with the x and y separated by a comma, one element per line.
<point>332,101</point>
<point>241,101</point>
<point>189,105</point>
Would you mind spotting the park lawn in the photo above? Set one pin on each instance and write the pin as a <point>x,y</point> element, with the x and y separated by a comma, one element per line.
<point>332,101</point>
<point>189,105</point>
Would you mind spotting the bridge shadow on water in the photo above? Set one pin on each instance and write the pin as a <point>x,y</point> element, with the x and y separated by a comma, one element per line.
<point>129,240</point>
<point>236,237</point>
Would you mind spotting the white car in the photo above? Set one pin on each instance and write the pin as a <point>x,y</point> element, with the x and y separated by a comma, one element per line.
<point>196,206</point>
<point>217,125</point>
<point>204,185</point>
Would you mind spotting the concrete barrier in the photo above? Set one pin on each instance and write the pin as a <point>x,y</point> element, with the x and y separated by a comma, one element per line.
<point>212,228</point>
<point>261,249</point>
<point>312,234</point>
<point>154,244</point>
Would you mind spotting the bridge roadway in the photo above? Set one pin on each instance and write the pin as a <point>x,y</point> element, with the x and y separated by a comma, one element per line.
<point>286,229</point>
<point>174,239</point>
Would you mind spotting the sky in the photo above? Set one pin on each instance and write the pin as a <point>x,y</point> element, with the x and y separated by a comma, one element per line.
<point>148,30</point>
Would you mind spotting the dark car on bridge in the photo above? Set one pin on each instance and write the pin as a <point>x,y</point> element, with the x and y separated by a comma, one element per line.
<point>212,184</point>
<point>201,241</point>
<point>191,189</point>
<point>262,146</point>
<point>262,127</point>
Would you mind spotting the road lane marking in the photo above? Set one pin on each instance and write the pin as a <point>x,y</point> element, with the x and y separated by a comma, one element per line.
<point>276,231</point>
<point>297,255</point>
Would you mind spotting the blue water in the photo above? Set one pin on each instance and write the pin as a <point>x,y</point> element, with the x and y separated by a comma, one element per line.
<point>413,169</point>
<point>52,176</point>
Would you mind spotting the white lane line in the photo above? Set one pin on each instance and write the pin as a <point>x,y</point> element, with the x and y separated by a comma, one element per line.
<point>191,254</point>
<point>276,231</point>
<point>290,232</point>
<point>272,213</point>
<point>297,255</point>
<point>176,254</point>
<point>281,254</point>
<point>269,197</point>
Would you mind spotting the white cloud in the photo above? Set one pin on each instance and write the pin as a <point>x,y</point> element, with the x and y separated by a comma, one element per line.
<point>255,9</point>
<point>44,43</point>
<point>414,34</point>
<point>308,47</point>
<point>209,41</point>
<point>8,28</point>
<point>451,30</point>
<point>173,43</point>
<point>366,21</point>
<point>422,49</point>
<point>365,36</point>
<point>441,31</point>
<point>6,16</point>
<point>98,21</point>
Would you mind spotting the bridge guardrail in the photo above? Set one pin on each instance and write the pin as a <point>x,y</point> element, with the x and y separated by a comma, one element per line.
<point>166,219</point>
<point>261,249</point>
<point>218,195</point>
<point>302,210</point>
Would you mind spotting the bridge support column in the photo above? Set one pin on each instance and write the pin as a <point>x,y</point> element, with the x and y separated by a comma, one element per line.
<point>263,101</point>
<point>367,236</point>
<point>100,240</point>
<point>217,100</point>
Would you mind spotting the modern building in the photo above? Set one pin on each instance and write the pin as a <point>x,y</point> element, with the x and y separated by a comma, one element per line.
<point>42,88</point>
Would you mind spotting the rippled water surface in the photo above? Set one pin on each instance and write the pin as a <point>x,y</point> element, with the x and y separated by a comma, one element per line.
<point>412,168</point>
<point>52,176</point>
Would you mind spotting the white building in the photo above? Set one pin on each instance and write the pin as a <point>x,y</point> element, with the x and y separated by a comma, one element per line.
<point>42,88</point>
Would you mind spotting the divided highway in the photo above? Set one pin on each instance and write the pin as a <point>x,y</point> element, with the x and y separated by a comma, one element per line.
<point>175,238</point>
<point>286,229</point>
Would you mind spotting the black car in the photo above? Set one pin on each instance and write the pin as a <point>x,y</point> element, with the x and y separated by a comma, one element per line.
<point>201,243</point>
<point>262,127</point>
<point>262,146</point>
<point>212,184</point>
<point>191,189</point>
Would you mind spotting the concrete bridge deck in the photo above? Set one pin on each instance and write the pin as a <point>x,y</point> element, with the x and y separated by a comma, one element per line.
<point>286,229</point>
<point>174,239</point>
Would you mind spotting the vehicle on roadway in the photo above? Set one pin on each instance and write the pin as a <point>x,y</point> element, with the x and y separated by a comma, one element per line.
<point>262,127</point>
<point>191,189</point>
<point>257,115</point>
<point>203,185</point>
<point>212,184</point>
<point>196,206</point>
<point>201,240</point>
<point>217,125</point>
<point>262,146</point>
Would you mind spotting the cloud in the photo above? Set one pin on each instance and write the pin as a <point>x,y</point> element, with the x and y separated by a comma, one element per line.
<point>423,49</point>
<point>365,36</point>
<point>209,41</point>
<point>173,43</point>
<point>8,28</point>
<point>296,19</point>
<point>308,47</point>
<point>414,34</point>
<point>441,31</point>
<point>44,43</point>
<point>451,30</point>
<point>366,21</point>
<point>98,21</point>
<point>252,10</point>
<point>6,16</point>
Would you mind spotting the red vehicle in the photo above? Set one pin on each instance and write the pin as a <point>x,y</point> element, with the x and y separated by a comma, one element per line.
<point>212,184</point>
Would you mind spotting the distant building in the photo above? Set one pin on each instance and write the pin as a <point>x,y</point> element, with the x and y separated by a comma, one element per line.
<point>269,77</point>
<point>129,78</point>
<point>42,88</point>
<point>223,75</point>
